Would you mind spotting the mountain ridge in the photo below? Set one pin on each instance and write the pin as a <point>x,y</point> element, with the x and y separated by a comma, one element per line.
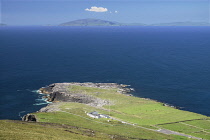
<point>100,22</point>
<point>90,22</point>
<point>2,24</point>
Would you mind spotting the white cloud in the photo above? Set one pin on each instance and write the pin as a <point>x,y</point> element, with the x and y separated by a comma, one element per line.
<point>116,11</point>
<point>96,9</point>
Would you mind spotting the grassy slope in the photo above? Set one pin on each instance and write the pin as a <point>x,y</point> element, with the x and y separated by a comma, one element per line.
<point>33,131</point>
<point>142,112</point>
<point>101,126</point>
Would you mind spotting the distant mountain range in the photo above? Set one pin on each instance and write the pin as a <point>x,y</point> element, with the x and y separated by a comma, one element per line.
<point>90,22</point>
<point>99,22</point>
<point>2,24</point>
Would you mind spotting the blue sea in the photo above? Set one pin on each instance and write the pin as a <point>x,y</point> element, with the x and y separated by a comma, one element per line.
<point>168,64</point>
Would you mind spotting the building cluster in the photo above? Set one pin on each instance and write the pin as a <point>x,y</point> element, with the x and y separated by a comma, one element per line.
<point>96,115</point>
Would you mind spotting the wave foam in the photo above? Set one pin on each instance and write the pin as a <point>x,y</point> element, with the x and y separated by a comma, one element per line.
<point>40,100</point>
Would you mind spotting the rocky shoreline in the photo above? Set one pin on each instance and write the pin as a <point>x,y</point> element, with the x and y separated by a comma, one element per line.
<point>62,87</point>
<point>60,92</point>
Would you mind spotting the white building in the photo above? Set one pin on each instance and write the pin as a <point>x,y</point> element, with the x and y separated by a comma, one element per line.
<point>96,115</point>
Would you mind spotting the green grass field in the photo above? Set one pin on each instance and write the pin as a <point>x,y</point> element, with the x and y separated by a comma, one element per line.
<point>100,125</point>
<point>137,110</point>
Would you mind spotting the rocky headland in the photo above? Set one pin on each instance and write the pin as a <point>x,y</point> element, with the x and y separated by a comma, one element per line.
<point>63,87</point>
<point>61,92</point>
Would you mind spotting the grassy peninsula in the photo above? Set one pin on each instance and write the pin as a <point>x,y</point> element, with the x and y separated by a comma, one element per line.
<point>130,117</point>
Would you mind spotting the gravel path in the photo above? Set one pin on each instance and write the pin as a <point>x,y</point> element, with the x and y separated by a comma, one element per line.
<point>169,132</point>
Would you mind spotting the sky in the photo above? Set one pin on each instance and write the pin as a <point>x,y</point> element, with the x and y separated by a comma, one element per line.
<point>54,12</point>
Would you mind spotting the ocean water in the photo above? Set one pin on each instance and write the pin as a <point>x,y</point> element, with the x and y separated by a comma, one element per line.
<point>169,64</point>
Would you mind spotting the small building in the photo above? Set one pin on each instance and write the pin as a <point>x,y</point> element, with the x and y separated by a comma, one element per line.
<point>104,116</point>
<point>96,115</point>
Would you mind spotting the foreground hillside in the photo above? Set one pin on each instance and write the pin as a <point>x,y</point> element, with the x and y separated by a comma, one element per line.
<point>127,117</point>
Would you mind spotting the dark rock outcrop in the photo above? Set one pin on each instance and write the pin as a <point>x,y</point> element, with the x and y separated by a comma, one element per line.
<point>29,118</point>
<point>79,98</point>
<point>46,90</point>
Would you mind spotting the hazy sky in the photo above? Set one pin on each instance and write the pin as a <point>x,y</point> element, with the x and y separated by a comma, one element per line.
<point>42,12</point>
